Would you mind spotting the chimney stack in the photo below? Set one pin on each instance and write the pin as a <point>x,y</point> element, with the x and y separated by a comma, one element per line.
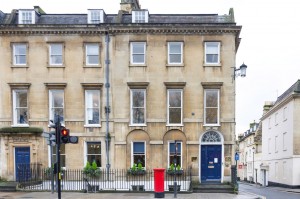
<point>128,5</point>
<point>268,105</point>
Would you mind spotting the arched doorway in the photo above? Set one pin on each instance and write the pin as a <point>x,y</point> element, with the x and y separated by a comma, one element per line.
<point>211,157</point>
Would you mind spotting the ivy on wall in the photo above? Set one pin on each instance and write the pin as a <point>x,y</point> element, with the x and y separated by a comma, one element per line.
<point>21,130</point>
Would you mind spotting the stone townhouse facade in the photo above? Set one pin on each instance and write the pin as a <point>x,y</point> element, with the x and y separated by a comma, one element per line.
<point>281,138</point>
<point>133,80</point>
<point>250,150</point>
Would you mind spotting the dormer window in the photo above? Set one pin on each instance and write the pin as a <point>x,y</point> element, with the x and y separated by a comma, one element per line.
<point>140,16</point>
<point>26,16</point>
<point>95,16</point>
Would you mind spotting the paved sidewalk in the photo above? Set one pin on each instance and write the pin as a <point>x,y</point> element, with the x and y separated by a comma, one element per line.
<point>273,187</point>
<point>75,195</point>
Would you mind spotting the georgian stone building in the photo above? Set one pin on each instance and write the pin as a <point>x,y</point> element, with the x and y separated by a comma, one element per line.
<point>250,149</point>
<point>281,139</point>
<point>133,80</point>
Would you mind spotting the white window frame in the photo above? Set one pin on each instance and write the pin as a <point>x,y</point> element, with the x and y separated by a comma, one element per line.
<point>284,114</point>
<point>52,108</point>
<point>132,152</point>
<point>276,168</point>
<point>276,119</point>
<point>285,170</point>
<point>90,96</point>
<point>269,146</point>
<point>52,55</point>
<point>249,167</point>
<point>16,54</point>
<point>141,16</point>
<point>171,46</point>
<point>16,108</point>
<point>132,53</point>
<point>169,151</point>
<point>276,144</point>
<point>284,141</point>
<point>218,107</point>
<point>132,108</point>
<point>26,17</point>
<point>212,48</point>
<point>95,53</point>
<point>95,16</point>
<point>86,152</point>
<point>181,107</point>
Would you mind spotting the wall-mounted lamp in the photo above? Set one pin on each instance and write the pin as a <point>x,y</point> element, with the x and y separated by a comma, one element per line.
<point>240,71</point>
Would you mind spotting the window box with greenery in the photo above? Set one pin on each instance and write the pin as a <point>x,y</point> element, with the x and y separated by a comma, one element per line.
<point>172,171</point>
<point>91,170</point>
<point>137,169</point>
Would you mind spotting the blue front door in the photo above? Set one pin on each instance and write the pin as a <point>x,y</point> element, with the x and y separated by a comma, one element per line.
<point>211,162</point>
<point>22,162</point>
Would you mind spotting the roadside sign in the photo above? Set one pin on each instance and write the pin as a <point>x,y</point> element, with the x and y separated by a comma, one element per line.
<point>236,157</point>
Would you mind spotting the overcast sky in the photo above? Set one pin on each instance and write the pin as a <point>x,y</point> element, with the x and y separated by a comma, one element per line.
<point>269,46</point>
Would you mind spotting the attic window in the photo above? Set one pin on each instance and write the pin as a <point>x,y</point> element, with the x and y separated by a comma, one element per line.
<point>140,16</point>
<point>26,17</point>
<point>95,16</point>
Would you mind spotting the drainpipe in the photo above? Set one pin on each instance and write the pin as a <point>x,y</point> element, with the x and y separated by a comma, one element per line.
<point>107,107</point>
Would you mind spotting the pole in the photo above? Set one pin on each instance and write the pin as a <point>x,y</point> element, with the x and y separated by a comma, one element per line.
<point>236,173</point>
<point>107,108</point>
<point>58,177</point>
<point>253,168</point>
<point>175,164</point>
<point>51,168</point>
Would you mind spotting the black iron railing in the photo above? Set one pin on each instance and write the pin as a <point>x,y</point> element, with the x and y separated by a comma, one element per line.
<point>29,174</point>
<point>114,180</point>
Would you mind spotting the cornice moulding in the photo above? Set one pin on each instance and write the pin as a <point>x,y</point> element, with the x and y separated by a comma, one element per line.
<point>118,29</point>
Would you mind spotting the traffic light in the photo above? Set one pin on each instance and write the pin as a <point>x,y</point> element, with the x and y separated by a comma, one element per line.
<point>64,135</point>
<point>66,138</point>
<point>73,139</point>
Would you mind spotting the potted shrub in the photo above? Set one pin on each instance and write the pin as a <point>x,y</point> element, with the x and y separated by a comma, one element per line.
<point>91,170</point>
<point>137,169</point>
<point>48,170</point>
<point>171,170</point>
<point>47,173</point>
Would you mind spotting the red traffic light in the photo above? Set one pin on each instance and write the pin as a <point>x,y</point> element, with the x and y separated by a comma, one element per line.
<point>65,132</point>
<point>64,135</point>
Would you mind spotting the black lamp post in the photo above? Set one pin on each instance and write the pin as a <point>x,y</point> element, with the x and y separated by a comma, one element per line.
<point>253,165</point>
<point>175,164</point>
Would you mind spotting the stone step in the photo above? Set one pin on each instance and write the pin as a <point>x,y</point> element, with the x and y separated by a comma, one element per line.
<point>213,188</point>
<point>8,186</point>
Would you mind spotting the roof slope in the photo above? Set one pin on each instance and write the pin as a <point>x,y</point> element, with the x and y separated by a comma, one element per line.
<point>295,88</point>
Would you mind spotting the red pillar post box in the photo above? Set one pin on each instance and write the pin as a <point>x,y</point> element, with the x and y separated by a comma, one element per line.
<point>159,182</point>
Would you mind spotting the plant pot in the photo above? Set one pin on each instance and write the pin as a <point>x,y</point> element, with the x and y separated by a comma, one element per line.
<point>93,188</point>
<point>171,187</point>
<point>137,172</point>
<point>173,172</point>
<point>137,187</point>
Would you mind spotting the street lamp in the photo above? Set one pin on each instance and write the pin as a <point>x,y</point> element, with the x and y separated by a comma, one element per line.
<point>253,148</point>
<point>175,164</point>
<point>241,71</point>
